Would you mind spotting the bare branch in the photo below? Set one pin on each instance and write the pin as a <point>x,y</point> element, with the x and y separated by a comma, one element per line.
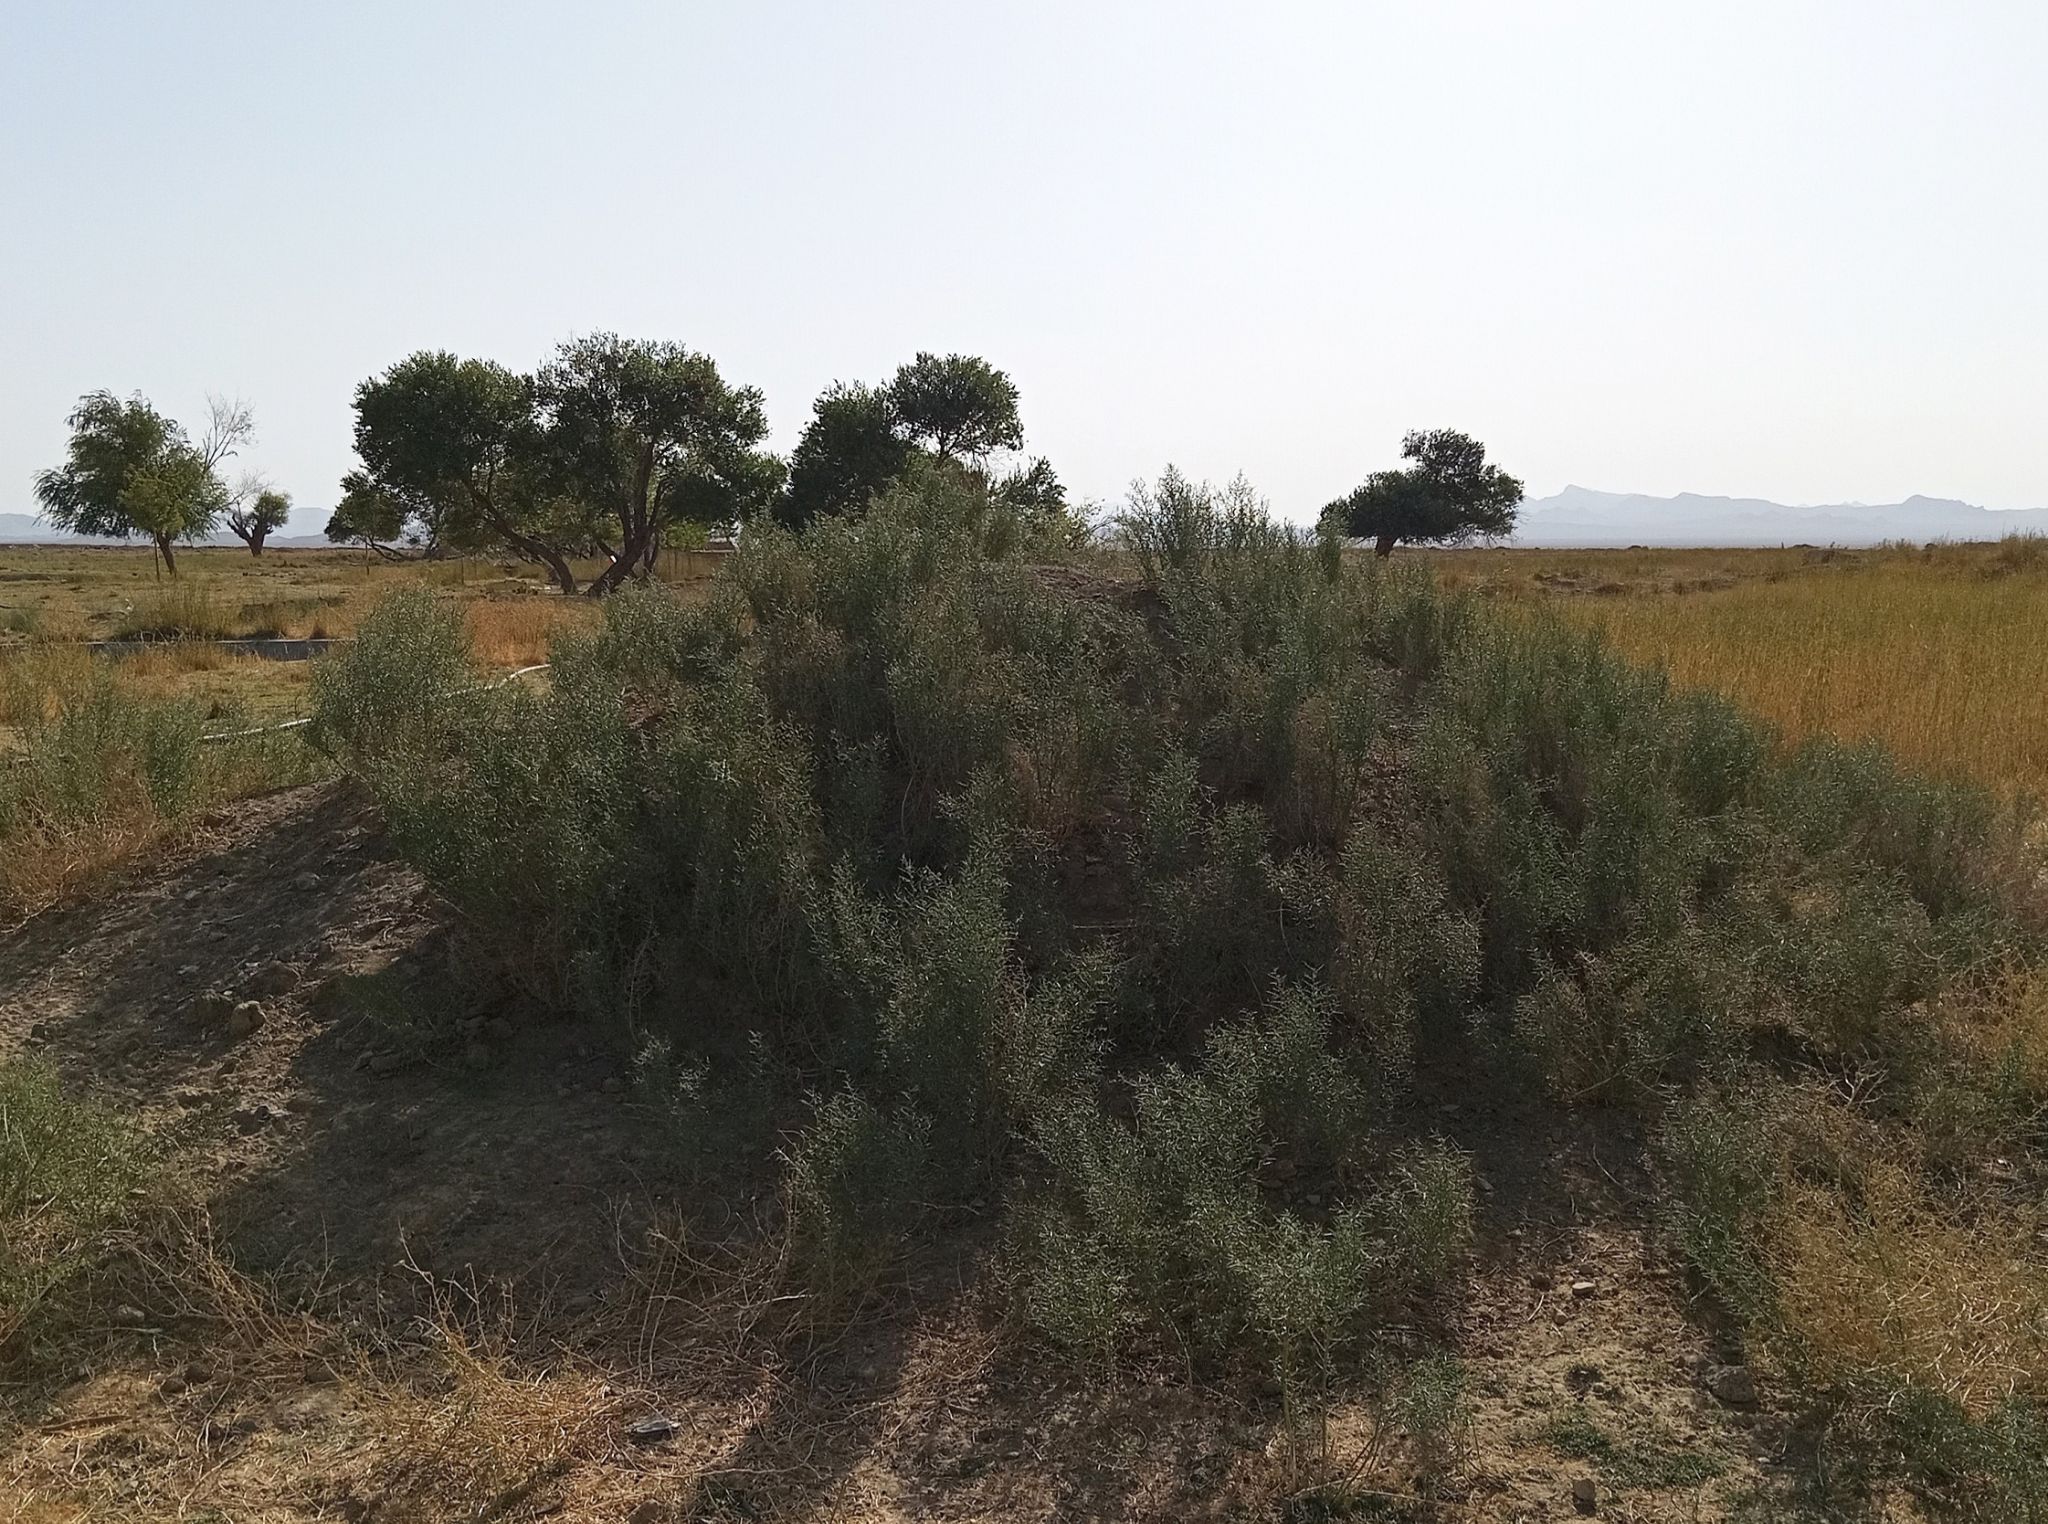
<point>230,424</point>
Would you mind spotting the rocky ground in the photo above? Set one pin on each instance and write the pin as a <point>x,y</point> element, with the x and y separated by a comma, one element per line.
<point>444,1268</point>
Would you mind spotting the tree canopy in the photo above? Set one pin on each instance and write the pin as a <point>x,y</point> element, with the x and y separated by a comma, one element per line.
<point>1449,494</point>
<point>849,451</point>
<point>957,409</point>
<point>633,429</point>
<point>956,405</point>
<point>258,513</point>
<point>130,471</point>
<point>606,443</point>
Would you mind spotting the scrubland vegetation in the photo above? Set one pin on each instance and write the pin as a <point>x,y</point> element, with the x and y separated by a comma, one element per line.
<point>1141,920</point>
<point>102,754</point>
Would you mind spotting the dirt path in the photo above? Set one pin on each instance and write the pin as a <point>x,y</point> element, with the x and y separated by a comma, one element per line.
<point>325,1132</point>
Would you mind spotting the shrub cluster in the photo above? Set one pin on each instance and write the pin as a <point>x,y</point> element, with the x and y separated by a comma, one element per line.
<point>97,771</point>
<point>1137,891</point>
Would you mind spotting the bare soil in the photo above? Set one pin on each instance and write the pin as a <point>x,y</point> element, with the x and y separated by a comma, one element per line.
<point>464,1267</point>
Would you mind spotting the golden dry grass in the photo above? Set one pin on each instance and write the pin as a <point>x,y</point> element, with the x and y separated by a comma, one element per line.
<point>1891,1291</point>
<point>1941,653</point>
<point>515,632</point>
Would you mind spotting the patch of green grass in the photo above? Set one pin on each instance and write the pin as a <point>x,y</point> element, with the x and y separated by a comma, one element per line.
<point>66,1169</point>
<point>1647,1465</point>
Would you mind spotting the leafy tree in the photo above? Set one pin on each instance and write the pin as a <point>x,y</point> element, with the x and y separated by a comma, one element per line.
<point>957,408</point>
<point>453,443</point>
<point>258,513</point>
<point>722,500</point>
<point>131,471</point>
<point>632,430</point>
<point>1035,494</point>
<point>956,405</point>
<point>369,515</point>
<point>849,451</point>
<point>1449,495</point>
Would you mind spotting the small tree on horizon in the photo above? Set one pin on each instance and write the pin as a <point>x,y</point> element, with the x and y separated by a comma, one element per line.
<point>129,471</point>
<point>257,514</point>
<point>1447,496</point>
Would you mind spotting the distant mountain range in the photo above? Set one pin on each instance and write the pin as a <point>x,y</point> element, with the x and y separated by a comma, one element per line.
<point>1579,517</point>
<point>23,529</point>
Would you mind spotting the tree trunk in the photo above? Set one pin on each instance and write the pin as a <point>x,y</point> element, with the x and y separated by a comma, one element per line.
<point>1384,545</point>
<point>638,526</point>
<point>163,548</point>
<point>537,551</point>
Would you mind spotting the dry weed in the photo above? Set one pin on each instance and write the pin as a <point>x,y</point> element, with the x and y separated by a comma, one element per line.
<point>515,632</point>
<point>1891,1291</point>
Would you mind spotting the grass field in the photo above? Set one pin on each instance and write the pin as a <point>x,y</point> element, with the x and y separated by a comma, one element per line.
<point>1941,653</point>
<point>104,751</point>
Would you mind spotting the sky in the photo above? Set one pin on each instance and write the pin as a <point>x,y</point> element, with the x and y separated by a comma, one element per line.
<point>1787,250</point>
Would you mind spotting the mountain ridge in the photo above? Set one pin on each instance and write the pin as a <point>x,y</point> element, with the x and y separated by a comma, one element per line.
<point>1586,518</point>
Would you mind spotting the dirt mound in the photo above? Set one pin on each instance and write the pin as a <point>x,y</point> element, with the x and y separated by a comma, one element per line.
<point>497,1180</point>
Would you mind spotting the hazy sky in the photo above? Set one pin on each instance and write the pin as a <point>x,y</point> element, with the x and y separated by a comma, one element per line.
<point>1791,250</point>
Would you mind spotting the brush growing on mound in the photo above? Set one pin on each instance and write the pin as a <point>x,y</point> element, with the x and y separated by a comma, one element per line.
<point>1151,897</point>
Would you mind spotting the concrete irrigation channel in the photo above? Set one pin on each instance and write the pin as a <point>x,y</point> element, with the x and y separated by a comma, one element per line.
<point>267,648</point>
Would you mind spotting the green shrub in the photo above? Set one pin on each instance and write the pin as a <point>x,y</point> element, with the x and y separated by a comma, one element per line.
<point>100,772</point>
<point>1136,894</point>
<point>66,1168</point>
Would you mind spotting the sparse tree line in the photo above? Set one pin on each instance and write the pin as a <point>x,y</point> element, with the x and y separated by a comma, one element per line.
<point>613,444</point>
<point>132,473</point>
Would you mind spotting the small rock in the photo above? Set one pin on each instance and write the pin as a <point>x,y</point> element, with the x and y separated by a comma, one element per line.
<point>273,979</point>
<point>254,1118</point>
<point>655,1429</point>
<point>1585,1494</point>
<point>213,1007</point>
<point>1583,1289</point>
<point>170,1386</point>
<point>1734,1385</point>
<point>198,1373</point>
<point>130,1317</point>
<point>248,1016</point>
<point>477,1055</point>
<point>385,1063</point>
<point>307,882</point>
<point>190,895</point>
